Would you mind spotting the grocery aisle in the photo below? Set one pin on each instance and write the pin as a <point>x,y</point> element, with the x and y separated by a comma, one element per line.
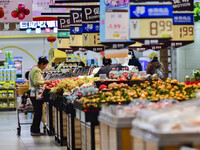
<point>10,141</point>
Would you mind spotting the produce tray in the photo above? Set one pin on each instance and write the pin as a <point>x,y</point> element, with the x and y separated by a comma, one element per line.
<point>130,83</point>
<point>79,105</point>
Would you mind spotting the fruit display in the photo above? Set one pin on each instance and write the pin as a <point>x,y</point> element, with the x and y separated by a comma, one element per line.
<point>20,12</point>
<point>69,84</point>
<point>150,90</point>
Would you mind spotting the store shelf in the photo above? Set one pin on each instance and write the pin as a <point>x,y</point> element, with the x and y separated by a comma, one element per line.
<point>7,109</point>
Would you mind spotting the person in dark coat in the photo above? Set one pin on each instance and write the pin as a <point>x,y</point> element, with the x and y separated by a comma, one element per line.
<point>108,66</point>
<point>134,61</point>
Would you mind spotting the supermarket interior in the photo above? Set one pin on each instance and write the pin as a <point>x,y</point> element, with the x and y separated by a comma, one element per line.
<point>100,75</point>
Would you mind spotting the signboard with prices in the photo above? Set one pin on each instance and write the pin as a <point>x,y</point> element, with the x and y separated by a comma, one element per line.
<point>114,21</point>
<point>183,29</point>
<point>151,24</point>
<point>76,28</point>
<point>15,11</point>
<point>91,26</point>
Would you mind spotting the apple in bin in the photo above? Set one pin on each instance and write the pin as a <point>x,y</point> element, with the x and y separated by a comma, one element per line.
<point>14,14</point>
<point>21,16</point>
<point>21,7</point>
<point>1,12</point>
<point>26,11</point>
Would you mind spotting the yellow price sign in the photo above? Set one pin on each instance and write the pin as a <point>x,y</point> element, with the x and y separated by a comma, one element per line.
<point>183,33</point>
<point>152,28</point>
<point>76,40</point>
<point>63,43</point>
<point>91,39</point>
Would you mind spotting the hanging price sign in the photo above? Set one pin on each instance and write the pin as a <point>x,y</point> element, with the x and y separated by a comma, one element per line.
<point>117,24</point>
<point>76,28</point>
<point>151,24</point>
<point>183,29</point>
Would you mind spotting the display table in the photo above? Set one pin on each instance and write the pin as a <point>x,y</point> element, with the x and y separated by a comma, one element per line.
<point>90,130</point>
<point>115,132</point>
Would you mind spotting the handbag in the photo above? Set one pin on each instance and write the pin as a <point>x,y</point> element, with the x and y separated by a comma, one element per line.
<point>36,92</point>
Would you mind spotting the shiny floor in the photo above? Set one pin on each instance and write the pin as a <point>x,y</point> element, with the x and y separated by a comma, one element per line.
<point>10,141</point>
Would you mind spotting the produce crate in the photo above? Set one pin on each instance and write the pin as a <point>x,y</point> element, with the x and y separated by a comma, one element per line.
<point>115,132</point>
<point>145,140</point>
<point>90,131</point>
<point>130,82</point>
<point>73,127</point>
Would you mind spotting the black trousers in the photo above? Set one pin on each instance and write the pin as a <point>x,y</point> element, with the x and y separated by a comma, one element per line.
<point>37,105</point>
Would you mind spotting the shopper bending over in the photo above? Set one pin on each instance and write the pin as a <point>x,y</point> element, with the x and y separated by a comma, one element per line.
<point>155,66</point>
<point>36,80</point>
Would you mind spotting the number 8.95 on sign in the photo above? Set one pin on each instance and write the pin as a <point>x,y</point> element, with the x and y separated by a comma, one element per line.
<point>151,28</point>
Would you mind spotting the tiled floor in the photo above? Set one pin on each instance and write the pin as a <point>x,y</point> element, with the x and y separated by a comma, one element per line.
<point>10,141</point>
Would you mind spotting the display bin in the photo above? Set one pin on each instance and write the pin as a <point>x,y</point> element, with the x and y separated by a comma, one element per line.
<point>115,132</point>
<point>146,140</point>
<point>60,115</point>
<point>90,130</point>
<point>73,127</point>
<point>50,113</point>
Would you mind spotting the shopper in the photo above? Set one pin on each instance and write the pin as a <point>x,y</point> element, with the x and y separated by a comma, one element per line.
<point>107,67</point>
<point>134,61</point>
<point>36,80</point>
<point>155,66</point>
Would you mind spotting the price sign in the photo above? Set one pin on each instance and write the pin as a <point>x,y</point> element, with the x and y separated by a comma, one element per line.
<point>151,28</point>
<point>117,27</point>
<point>151,24</point>
<point>183,29</point>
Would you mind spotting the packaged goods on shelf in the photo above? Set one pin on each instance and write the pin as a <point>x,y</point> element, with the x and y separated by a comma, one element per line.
<point>11,93</point>
<point>11,104</point>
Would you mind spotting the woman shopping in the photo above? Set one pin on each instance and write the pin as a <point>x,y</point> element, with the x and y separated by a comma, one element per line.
<point>36,81</point>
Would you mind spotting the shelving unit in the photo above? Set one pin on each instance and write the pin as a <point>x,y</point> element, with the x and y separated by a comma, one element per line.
<point>7,100</point>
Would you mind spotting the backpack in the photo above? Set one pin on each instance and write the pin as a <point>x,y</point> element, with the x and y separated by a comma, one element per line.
<point>160,72</point>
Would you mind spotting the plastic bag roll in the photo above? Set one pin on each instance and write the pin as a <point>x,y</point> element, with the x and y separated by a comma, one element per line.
<point>114,53</point>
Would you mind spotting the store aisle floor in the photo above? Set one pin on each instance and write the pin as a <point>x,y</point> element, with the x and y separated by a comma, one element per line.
<point>10,141</point>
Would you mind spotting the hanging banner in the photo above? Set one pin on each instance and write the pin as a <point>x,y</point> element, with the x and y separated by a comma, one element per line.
<point>183,29</point>
<point>91,28</point>
<point>151,24</point>
<point>15,11</point>
<point>114,21</point>
<point>183,5</point>
<point>76,28</point>
<point>64,23</point>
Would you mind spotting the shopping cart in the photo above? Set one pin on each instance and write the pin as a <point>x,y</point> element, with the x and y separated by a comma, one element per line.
<point>26,112</point>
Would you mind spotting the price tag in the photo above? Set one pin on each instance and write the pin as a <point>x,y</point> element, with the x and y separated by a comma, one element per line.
<point>183,33</point>
<point>117,27</point>
<point>153,28</point>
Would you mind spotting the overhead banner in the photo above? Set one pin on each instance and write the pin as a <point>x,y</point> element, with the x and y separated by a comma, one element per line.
<point>114,21</point>
<point>76,28</point>
<point>151,24</point>
<point>64,23</point>
<point>183,29</point>
<point>91,28</point>
<point>15,11</point>
<point>183,5</point>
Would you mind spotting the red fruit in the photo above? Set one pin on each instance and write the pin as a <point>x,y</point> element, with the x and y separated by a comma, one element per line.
<point>21,16</point>
<point>103,86</point>
<point>53,84</point>
<point>1,12</point>
<point>14,14</point>
<point>21,7</point>
<point>58,80</point>
<point>122,79</point>
<point>50,86</point>
<point>26,11</point>
<point>47,87</point>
